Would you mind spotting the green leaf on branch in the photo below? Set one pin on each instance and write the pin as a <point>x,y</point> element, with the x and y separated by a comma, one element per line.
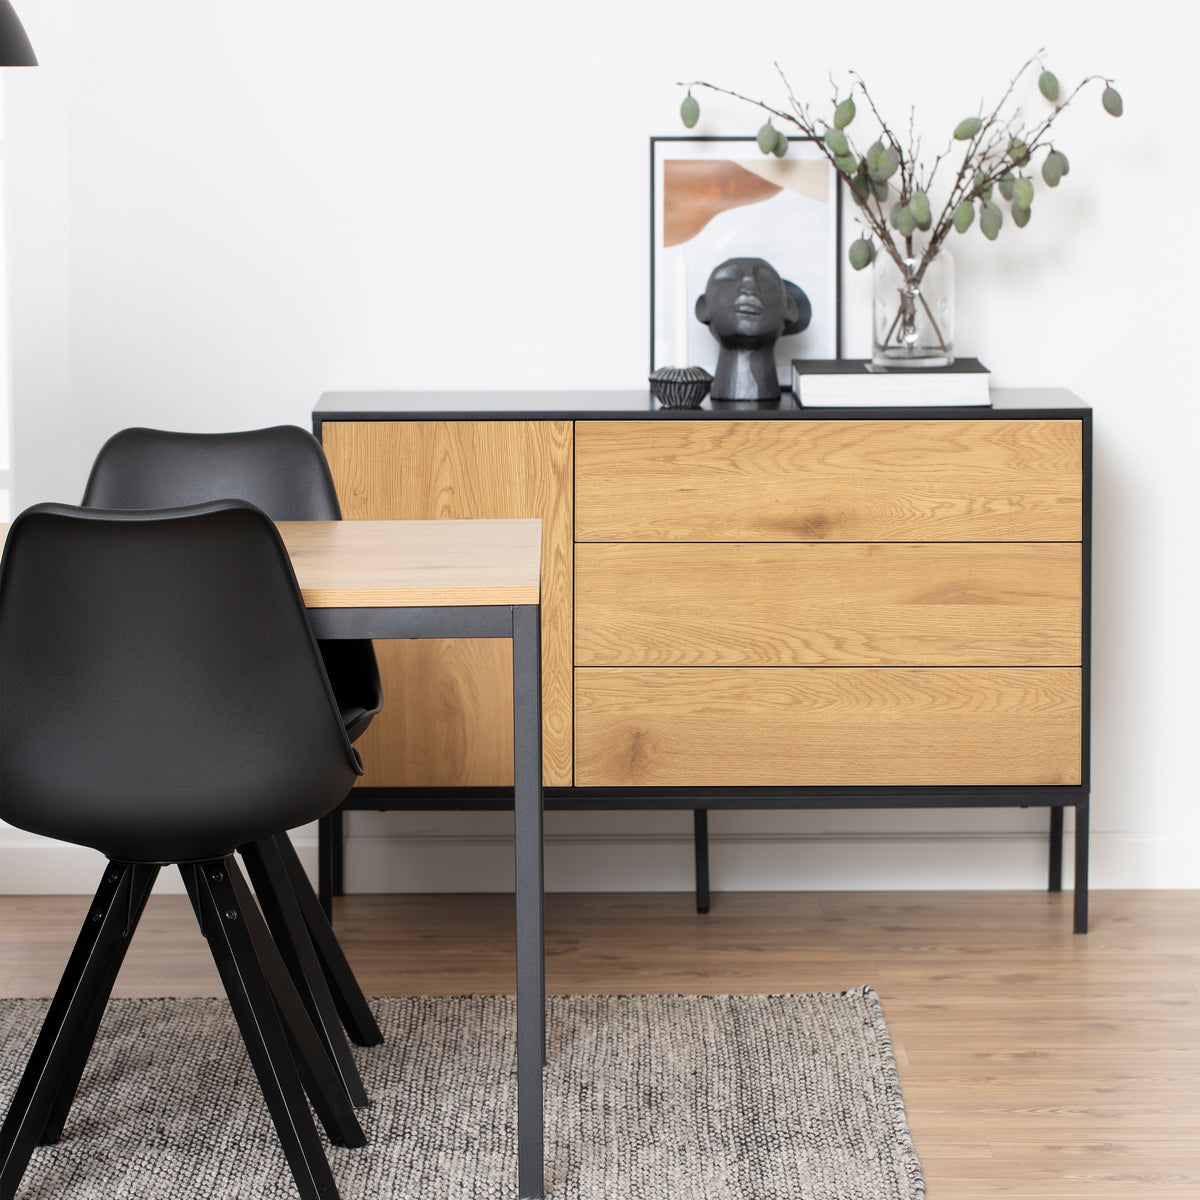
<point>882,162</point>
<point>1111,99</point>
<point>1048,86</point>
<point>766,138</point>
<point>990,220</point>
<point>902,219</point>
<point>1006,185</point>
<point>964,214</point>
<point>780,148</point>
<point>861,253</point>
<point>1022,195</point>
<point>1021,215</point>
<point>844,113</point>
<point>837,143</point>
<point>1054,168</point>
<point>967,128</point>
<point>1018,151</point>
<point>689,110</point>
<point>921,211</point>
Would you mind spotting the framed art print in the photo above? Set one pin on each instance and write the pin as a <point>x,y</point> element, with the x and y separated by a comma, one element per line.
<point>718,198</point>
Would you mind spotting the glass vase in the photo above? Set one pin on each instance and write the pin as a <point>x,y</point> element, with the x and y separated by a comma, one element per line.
<point>913,312</point>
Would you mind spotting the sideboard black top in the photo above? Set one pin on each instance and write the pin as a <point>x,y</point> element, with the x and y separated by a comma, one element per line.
<point>566,405</point>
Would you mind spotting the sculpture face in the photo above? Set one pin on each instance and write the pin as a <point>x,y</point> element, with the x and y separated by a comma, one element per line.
<point>745,303</point>
<point>749,307</point>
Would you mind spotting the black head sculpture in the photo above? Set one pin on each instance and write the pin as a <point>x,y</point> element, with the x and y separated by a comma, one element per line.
<point>748,308</point>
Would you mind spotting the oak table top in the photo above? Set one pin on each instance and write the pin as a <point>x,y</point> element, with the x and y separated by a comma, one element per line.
<point>411,564</point>
<point>407,564</point>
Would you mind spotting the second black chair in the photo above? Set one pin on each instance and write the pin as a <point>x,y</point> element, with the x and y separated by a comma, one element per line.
<point>284,472</point>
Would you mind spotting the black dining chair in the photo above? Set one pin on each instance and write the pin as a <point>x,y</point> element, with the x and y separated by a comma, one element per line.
<point>284,471</point>
<point>163,701</point>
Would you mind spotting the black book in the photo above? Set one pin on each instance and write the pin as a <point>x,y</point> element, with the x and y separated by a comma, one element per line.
<point>857,383</point>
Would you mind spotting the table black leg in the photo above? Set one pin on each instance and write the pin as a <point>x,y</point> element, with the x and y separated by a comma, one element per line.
<point>1081,865</point>
<point>531,961</point>
<point>1056,847</point>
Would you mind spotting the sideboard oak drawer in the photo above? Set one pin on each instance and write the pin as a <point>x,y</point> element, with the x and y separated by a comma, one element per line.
<point>842,604</point>
<point>829,481</point>
<point>828,727</point>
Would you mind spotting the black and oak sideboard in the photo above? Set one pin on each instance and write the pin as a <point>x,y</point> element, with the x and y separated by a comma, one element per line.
<point>746,606</point>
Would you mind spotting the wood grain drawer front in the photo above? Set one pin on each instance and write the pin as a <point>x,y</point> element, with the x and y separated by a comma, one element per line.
<point>447,713</point>
<point>828,481</point>
<point>846,604</point>
<point>825,727</point>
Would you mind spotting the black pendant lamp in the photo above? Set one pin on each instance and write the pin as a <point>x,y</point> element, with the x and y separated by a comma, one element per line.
<point>15,50</point>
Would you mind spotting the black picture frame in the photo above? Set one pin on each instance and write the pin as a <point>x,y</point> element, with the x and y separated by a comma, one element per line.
<point>726,199</point>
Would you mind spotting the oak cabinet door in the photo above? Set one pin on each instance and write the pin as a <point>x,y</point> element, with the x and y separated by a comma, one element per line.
<point>447,713</point>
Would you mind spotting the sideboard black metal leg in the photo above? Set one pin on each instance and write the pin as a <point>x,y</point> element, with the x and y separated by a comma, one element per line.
<point>700,837</point>
<point>1056,847</point>
<point>1081,865</point>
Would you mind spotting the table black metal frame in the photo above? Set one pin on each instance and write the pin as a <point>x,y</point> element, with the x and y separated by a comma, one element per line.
<point>521,624</point>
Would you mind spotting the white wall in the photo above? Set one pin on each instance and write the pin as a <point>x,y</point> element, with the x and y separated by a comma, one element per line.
<point>218,212</point>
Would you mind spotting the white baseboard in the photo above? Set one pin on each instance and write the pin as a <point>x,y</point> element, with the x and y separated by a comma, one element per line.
<point>664,863</point>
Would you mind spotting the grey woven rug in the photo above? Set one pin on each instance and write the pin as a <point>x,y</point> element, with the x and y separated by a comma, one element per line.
<point>647,1098</point>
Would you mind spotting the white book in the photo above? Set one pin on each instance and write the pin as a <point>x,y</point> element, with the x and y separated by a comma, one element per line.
<point>856,383</point>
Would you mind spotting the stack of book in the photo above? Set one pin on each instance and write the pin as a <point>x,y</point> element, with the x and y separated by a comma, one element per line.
<point>857,383</point>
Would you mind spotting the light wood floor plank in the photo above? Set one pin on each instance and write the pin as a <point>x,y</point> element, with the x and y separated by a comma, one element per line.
<point>1036,1065</point>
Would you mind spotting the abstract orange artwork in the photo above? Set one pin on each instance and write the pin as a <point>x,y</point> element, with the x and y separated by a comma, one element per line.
<point>694,192</point>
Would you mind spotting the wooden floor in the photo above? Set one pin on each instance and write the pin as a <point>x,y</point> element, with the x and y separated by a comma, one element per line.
<point>1035,1063</point>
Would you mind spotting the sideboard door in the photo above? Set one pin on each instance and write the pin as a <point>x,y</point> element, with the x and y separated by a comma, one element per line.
<point>447,713</point>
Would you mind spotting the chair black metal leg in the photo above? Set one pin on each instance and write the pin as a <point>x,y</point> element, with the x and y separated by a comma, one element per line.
<point>1056,847</point>
<point>70,1021</point>
<point>141,882</point>
<point>351,1004</point>
<point>329,860</point>
<point>1081,866</point>
<point>227,927</point>
<point>700,837</point>
<point>277,899</point>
